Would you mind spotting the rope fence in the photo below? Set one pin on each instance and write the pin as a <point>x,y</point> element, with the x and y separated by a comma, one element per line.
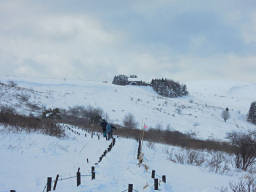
<point>157,182</point>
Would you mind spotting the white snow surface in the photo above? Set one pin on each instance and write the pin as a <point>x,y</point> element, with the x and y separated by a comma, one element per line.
<point>28,159</point>
<point>198,113</point>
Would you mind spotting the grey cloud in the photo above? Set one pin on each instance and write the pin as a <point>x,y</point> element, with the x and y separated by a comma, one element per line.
<point>95,40</point>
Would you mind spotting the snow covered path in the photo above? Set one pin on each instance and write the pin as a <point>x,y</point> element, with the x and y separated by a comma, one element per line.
<point>28,159</point>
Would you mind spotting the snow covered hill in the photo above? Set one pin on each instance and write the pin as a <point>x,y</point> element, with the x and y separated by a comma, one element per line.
<point>28,159</point>
<point>199,113</point>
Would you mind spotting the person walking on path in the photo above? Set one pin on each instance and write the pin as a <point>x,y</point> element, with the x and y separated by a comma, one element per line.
<point>103,126</point>
<point>109,131</point>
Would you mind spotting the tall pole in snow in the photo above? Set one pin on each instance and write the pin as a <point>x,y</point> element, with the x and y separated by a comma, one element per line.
<point>143,131</point>
<point>140,154</point>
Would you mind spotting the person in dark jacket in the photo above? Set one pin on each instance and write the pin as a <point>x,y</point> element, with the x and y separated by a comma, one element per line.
<point>109,130</point>
<point>103,125</point>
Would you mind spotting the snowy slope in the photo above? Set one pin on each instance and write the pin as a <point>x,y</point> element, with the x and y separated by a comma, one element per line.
<point>198,113</point>
<point>28,159</point>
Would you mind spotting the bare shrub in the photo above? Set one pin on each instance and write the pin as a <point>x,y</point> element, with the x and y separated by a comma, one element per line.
<point>81,116</point>
<point>191,133</point>
<point>246,149</point>
<point>195,158</point>
<point>23,98</point>
<point>94,114</point>
<point>74,111</point>
<point>51,114</point>
<point>246,184</point>
<point>17,122</point>
<point>150,145</point>
<point>215,162</point>
<point>238,187</point>
<point>219,163</point>
<point>199,160</point>
<point>180,158</point>
<point>12,84</point>
<point>7,110</point>
<point>129,121</point>
<point>33,107</point>
<point>171,156</point>
<point>129,133</point>
<point>77,111</point>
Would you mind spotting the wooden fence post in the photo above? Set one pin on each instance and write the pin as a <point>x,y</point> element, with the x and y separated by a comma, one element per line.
<point>93,175</point>
<point>130,187</point>
<point>49,184</point>
<point>139,149</point>
<point>78,177</point>
<point>156,184</point>
<point>55,182</point>
<point>93,172</point>
<point>153,174</point>
<point>164,178</point>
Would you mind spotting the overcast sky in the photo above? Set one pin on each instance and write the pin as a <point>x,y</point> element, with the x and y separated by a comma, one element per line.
<point>181,40</point>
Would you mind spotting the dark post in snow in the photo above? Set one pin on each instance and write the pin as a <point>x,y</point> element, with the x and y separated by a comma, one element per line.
<point>12,191</point>
<point>93,175</point>
<point>164,178</point>
<point>55,182</point>
<point>153,174</point>
<point>155,184</point>
<point>78,177</point>
<point>49,184</point>
<point>93,172</point>
<point>130,187</point>
<point>139,149</point>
